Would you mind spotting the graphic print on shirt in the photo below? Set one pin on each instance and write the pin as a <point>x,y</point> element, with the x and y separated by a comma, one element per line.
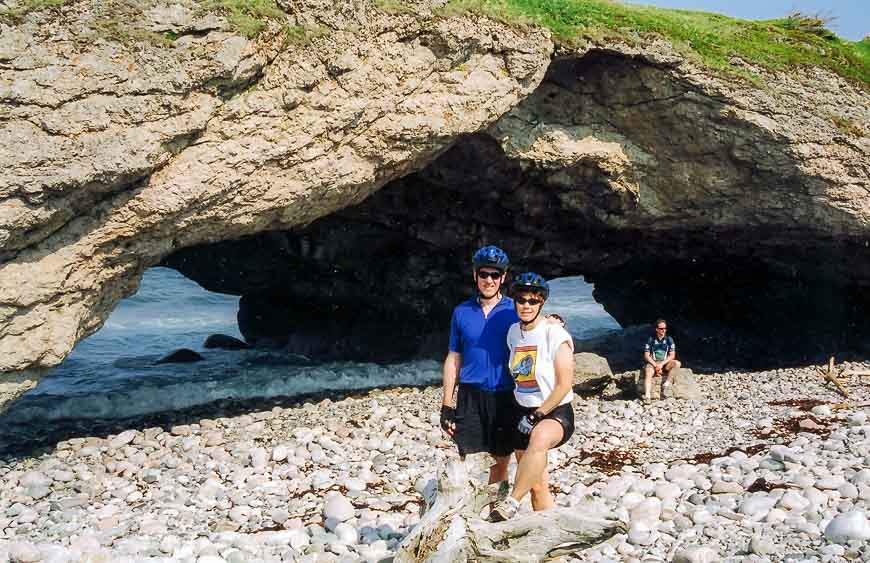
<point>523,369</point>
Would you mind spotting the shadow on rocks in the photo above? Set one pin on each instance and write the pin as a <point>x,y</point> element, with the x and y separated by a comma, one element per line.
<point>19,441</point>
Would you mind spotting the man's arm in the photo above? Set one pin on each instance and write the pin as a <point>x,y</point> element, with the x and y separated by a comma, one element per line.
<point>449,377</point>
<point>647,358</point>
<point>564,367</point>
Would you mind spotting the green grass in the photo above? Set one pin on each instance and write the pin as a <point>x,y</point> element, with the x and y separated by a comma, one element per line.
<point>300,35</point>
<point>713,38</point>
<point>116,29</point>
<point>847,126</point>
<point>27,6</point>
<point>394,7</point>
<point>248,17</point>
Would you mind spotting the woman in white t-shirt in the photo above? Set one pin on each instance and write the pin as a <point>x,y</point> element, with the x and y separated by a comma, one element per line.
<point>542,364</point>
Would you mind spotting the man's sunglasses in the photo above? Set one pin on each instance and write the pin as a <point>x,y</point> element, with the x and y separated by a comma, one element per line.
<point>490,275</point>
<point>661,328</point>
<point>524,301</point>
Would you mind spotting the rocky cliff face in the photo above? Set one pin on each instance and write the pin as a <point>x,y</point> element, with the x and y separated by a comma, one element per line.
<point>115,153</point>
<point>647,176</point>
<point>122,145</point>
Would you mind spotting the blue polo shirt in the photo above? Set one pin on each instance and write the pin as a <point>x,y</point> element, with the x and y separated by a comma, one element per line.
<point>482,341</point>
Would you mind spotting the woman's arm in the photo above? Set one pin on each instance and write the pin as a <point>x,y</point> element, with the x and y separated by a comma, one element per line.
<point>564,367</point>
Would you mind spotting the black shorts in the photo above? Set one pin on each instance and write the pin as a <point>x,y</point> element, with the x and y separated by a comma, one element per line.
<point>563,414</point>
<point>482,421</point>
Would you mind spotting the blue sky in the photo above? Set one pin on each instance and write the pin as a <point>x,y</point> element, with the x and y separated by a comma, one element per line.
<point>852,20</point>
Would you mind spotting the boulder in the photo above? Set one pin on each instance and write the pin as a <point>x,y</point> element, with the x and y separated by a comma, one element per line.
<point>181,356</point>
<point>681,385</point>
<point>225,342</point>
<point>591,373</point>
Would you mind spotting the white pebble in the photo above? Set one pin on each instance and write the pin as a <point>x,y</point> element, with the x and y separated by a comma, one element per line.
<point>696,555</point>
<point>338,508</point>
<point>852,525</point>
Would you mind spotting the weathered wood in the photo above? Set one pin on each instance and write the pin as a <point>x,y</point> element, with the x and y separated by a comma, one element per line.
<point>452,528</point>
<point>831,377</point>
<point>841,406</point>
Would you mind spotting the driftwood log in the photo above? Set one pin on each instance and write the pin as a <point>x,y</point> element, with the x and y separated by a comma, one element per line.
<point>832,377</point>
<point>452,529</point>
<point>841,406</point>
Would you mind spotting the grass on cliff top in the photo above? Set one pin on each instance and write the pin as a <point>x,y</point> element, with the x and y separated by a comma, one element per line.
<point>793,40</point>
<point>247,16</point>
<point>27,6</point>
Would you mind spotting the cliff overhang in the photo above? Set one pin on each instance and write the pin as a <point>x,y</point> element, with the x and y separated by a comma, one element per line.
<point>404,140</point>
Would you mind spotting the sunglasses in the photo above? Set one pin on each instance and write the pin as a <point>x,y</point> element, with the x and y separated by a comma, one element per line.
<point>524,301</point>
<point>490,275</point>
<point>661,328</point>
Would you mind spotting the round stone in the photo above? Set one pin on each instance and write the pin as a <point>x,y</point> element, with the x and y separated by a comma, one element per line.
<point>756,506</point>
<point>849,526</point>
<point>667,491</point>
<point>696,555</point>
<point>346,533</point>
<point>338,508</point>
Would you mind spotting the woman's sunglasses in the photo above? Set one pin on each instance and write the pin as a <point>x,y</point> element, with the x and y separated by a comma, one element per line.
<point>524,301</point>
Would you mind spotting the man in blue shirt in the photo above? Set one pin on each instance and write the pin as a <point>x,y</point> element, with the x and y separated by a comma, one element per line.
<point>478,389</point>
<point>659,357</point>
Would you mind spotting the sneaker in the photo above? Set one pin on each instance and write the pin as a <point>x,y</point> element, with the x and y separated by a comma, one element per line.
<point>505,510</point>
<point>501,492</point>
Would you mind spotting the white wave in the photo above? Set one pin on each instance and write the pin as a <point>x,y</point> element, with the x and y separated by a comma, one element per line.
<point>158,395</point>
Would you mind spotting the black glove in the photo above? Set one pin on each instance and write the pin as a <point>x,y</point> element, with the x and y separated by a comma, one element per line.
<point>448,417</point>
<point>529,421</point>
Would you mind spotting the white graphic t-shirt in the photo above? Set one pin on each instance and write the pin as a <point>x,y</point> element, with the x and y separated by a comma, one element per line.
<point>532,362</point>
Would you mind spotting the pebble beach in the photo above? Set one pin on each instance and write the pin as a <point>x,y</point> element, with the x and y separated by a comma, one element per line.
<point>768,466</point>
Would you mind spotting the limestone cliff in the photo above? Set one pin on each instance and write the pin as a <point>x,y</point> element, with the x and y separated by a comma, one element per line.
<point>131,131</point>
<point>115,154</point>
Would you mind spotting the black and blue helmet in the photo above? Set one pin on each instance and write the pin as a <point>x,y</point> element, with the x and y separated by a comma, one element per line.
<point>491,257</point>
<point>530,281</point>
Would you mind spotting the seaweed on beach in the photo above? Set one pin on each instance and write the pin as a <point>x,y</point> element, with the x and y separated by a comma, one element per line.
<point>805,405</point>
<point>761,484</point>
<point>788,427</point>
<point>608,462</point>
<point>710,456</point>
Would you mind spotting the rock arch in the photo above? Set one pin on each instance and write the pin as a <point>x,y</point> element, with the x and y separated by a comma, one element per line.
<point>604,160</point>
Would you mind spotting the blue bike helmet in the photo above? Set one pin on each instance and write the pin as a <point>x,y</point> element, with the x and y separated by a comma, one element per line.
<point>530,281</point>
<point>491,257</point>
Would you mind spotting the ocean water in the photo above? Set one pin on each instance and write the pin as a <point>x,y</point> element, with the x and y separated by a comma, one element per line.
<point>113,374</point>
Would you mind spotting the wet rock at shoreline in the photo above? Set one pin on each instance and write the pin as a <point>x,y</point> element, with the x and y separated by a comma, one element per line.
<point>181,356</point>
<point>225,342</point>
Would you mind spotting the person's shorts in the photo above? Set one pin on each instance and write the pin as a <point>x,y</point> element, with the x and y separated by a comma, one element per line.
<point>482,421</point>
<point>563,414</point>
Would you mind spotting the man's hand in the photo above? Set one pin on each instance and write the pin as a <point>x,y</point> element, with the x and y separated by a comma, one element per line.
<point>448,419</point>
<point>553,318</point>
<point>528,422</point>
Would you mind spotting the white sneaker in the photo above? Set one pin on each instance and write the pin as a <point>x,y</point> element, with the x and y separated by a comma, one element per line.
<point>505,510</point>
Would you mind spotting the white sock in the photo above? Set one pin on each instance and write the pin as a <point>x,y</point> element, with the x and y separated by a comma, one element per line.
<point>514,502</point>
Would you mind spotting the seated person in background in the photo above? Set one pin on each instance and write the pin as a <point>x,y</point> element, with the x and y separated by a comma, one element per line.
<point>542,366</point>
<point>659,356</point>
